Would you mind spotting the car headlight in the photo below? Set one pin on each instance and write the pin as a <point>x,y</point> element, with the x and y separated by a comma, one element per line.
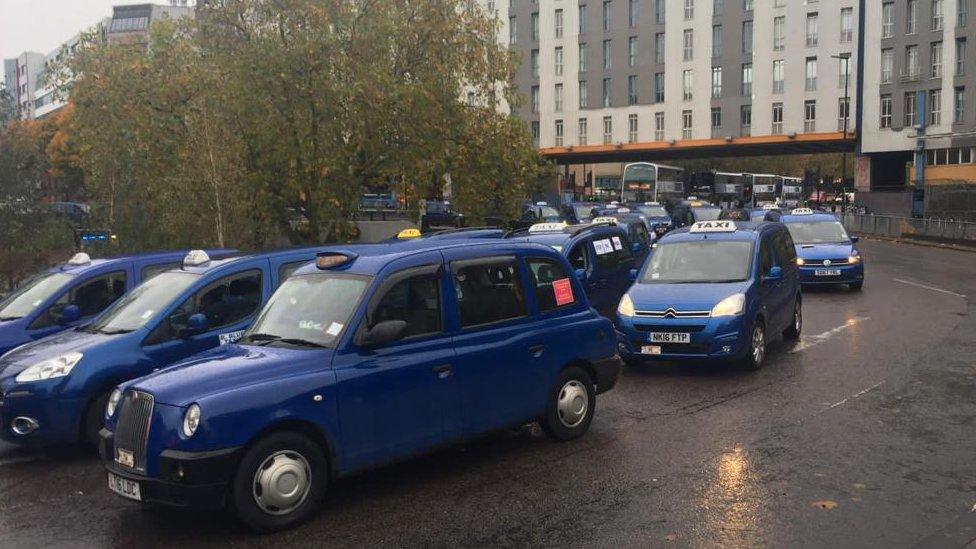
<point>855,257</point>
<point>191,420</point>
<point>113,403</point>
<point>626,307</point>
<point>800,261</point>
<point>733,305</point>
<point>51,368</point>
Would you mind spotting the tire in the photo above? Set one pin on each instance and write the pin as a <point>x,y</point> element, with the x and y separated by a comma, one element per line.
<point>571,405</point>
<point>793,332</point>
<point>753,359</point>
<point>95,420</point>
<point>856,287</point>
<point>299,462</point>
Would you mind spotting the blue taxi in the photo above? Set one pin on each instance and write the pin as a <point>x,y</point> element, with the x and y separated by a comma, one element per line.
<point>825,252</point>
<point>601,255</point>
<point>67,295</point>
<point>374,354</point>
<point>53,391</point>
<point>635,225</point>
<point>657,217</point>
<point>716,291</point>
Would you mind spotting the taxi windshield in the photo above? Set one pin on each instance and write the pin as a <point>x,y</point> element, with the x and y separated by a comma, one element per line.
<point>817,232</point>
<point>139,306</point>
<point>32,294</point>
<point>583,212</point>
<point>707,214</point>
<point>308,310</point>
<point>702,262</point>
<point>653,211</point>
<point>549,213</point>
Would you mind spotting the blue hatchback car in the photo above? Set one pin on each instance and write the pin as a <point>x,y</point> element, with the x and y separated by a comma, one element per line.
<point>717,291</point>
<point>64,296</point>
<point>825,252</point>
<point>373,354</point>
<point>54,391</point>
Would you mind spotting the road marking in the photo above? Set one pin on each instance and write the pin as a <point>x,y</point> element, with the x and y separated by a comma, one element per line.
<point>855,395</point>
<point>927,287</point>
<point>810,341</point>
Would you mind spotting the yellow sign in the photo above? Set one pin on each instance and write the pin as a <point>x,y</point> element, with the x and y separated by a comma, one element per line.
<point>408,233</point>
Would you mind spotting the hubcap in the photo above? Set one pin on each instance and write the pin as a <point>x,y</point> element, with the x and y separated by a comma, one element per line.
<point>573,403</point>
<point>758,345</point>
<point>282,482</point>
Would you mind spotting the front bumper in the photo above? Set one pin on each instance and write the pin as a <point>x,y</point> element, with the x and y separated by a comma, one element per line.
<point>58,419</point>
<point>712,339</point>
<point>197,480</point>
<point>848,274</point>
<point>607,372</point>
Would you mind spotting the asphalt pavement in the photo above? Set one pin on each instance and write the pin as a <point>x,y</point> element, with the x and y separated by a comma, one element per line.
<point>862,434</point>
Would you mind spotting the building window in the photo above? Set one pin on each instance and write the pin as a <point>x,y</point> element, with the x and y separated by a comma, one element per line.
<point>659,47</point>
<point>962,13</point>
<point>559,133</point>
<point>606,54</point>
<point>606,92</point>
<point>535,99</point>
<point>935,107</point>
<point>811,74</point>
<point>535,27</point>
<point>887,65</point>
<point>813,36</point>
<point>659,11</point>
<point>559,24</point>
<point>558,98</point>
<point>960,56</point>
<point>632,13</point>
<point>886,111</point>
<point>557,61</point>
<point>747,79</point>
<point>512,31</point>
<point>582,19</point>
<point>687,85</point>
<point>843,113</point>
<point>810,115</point>
<point>846,25</point>
<point>689,44</point>
<point>632,128</point>
<point>582,57</point>
<point>911,17</point>
<point>632,51</point>
<point>745,120</point>
<point>606,15</point>
<point>779,33</point>
<point>747,37</point>
<point>959,110</point>
<point>686,130</point>
<point>659,87</point>
<point>777,119</point>
<point>535,134</point>
<point>746,5</point>
<point>887,19</point>
<point>716,82</point>
<point>689,9</point>
<point>910,104</point>
<point>582,94</point>
<point>716,121</point>
<point>935,54</point>
<point>718,7</point>
<point>779,71</point>
<point>659,126</point>
<point>911,62</point>
<point>632,89</point>
<point>607,130</point>
<point>844,74</point>
<point>779,3</point>
<point>534,62</point>
<point>937,17</point>
<point>716,40</point>
<point>581,132</point>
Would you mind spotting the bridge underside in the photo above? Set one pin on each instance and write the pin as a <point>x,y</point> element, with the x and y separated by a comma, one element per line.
<point>765,145</point>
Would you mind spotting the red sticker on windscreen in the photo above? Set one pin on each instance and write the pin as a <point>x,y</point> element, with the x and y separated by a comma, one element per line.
<point>564,291</point>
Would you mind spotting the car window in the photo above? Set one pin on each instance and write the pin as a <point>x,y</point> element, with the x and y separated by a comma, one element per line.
<point>225,302</point>
<point>416,301</point>
<point>785,252</point>
<point>640,234</point>
<point>489,292</point>
<point>150,271</point>
<point>611,251</point>
<point>91,297</point>
<point>288,269</point>
<point>551,283</point>
<point>578,258</point>
<point>529,215</point>
<point>765,255</point>
<point>32,294</point>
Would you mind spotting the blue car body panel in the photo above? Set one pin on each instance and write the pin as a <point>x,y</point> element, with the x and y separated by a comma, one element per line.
<point>827,256</point>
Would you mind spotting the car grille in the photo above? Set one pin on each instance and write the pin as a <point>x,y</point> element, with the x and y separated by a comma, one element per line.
<point>669,329</point>
<point>671,313</point>
<point>819,262</point>
<point>132,431</point>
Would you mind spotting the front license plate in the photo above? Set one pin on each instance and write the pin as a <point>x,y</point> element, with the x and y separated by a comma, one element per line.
<point>670,337</point>
<point>124,487</point>
<point>651,350</point>
<point>124,457</point>
<point>826,272</point>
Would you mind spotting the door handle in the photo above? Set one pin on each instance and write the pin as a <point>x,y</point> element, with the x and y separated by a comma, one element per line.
<point>443,371</point>
<point>537,350</point>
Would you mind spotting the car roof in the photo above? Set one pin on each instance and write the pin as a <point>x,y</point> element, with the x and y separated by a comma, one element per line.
<point>744,231</point>
<point>570,232</point>
<point>809,218</point>
<point>215,265</point>
<point>108,262</point>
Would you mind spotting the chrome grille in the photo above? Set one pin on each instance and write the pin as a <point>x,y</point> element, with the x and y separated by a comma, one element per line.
<point>819,262</point>
<point>671,313</point>
<point>132,431</point>
<point>671,329</point>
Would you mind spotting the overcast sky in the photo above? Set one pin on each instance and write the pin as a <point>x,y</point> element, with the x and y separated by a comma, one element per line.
<point>41,25</point>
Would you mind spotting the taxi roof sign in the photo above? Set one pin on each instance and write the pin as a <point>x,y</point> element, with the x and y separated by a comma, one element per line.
<point>801,211</point>
<point>623,210</point>
<point>80,258</point>
<point>329,260</point>
<point>605,219</point>
<point>652,203</point>
<point>542,203</point>
<point>722,226</point>
<point>195,258</point>
<point>547,227</point>
<point>408,233</point>
<point>769,206</point>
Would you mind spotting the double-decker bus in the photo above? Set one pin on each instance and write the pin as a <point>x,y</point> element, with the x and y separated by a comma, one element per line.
<point>765,188</point>
<point>647,182</point>
<point>792,191</point>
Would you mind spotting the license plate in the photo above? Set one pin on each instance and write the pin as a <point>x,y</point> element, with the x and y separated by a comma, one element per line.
<point>826,272</point>
<point>670,337</point>
<point>651,350</point>
<point>124,487</point>
<point>124,457</point>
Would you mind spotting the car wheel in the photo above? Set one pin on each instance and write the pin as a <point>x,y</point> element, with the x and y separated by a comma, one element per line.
<point>857,286</point>
<point>279,482</point>
<point>793,332</point>
<point>757,347</point>
<point>571,405</point>
<point>95,419</point>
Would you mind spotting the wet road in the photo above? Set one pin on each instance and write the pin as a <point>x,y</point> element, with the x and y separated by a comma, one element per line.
<point>860,435</point>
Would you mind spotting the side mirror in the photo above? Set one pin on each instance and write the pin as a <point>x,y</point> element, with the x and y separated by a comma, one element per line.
<point>633,275</point>
<point>71,313</point>
<point>384,332</point>
<point>581,275</point>
<point>196,324</point>
<point>775,273</point>
<point>855,238</point>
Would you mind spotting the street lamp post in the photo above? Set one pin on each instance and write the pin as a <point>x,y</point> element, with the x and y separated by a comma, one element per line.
<point>846,58</point>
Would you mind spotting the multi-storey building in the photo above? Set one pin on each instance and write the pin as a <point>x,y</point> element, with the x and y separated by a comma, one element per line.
<point>21,75</point>
<point>130,23</point>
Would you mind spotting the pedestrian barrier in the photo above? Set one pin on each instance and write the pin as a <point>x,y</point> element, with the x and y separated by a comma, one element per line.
<point>907,227</point>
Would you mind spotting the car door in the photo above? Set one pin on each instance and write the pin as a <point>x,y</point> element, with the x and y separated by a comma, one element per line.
<point>769,290</point>
<point>609,259</point>
<point>580,256</point>
<point>394,399</point>
<point>786,259</point>
<point>498,355</point>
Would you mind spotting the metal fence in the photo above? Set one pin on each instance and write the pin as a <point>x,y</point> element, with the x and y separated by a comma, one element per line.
<point>900,227</point>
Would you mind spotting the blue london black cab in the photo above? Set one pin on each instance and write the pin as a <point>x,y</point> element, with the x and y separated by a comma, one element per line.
<point>719,290</point>
<point>375,353</point>
<point>825,252</point>
<point>64,296</point>
<point>53,391</point>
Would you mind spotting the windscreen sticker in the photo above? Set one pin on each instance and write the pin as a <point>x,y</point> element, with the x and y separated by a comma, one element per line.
<point>655,276</point>
<point>334,329</point>
<point>563,291</point>
<point>602,247</point>
<point>310,325</point>
<point>616,243</point>
<point>230,337</point>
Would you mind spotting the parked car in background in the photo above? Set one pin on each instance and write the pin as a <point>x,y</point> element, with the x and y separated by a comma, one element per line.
<point>435,214</point>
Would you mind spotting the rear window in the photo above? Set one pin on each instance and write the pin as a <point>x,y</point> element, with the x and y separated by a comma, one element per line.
<point>488,292</point>
<point>551,284</point>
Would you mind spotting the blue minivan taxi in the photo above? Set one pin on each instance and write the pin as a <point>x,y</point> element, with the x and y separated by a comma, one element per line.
<point>657,217</point>
<point>53,391</point>
<point>825,252</point>
<point>72,293</point>
<point>716,291</point>
<point>602,255</point>
<point>372,354</point>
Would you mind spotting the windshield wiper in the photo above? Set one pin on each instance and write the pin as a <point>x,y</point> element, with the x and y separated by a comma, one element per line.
<point>2,318</point>
<point>113,332</point>
<point>264,338</point>
<point>299,341</point>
